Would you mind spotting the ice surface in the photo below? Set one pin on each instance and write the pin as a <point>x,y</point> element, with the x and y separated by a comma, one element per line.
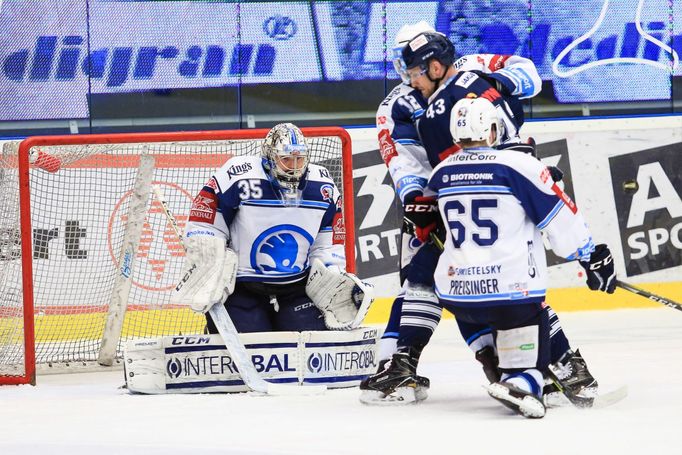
<point>88,414</point>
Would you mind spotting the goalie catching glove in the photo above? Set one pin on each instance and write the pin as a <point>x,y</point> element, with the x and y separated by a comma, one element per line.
<point>210,273</point>
<point>341,297</point>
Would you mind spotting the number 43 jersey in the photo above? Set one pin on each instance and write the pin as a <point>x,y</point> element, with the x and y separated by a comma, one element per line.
<point>275,239</point>
<point>434,125</point>
<point>495,205</point>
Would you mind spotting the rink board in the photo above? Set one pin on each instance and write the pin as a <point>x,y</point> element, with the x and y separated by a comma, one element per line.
<point>50,327</point>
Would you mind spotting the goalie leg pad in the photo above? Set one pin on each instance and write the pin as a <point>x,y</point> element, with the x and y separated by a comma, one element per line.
<point>202,364</point>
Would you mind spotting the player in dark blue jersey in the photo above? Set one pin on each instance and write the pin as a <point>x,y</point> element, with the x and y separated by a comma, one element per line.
<point>429,62</point>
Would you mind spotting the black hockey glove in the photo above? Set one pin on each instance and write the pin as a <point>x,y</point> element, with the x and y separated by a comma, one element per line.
<point>601,275</point>
<point>421,216</point>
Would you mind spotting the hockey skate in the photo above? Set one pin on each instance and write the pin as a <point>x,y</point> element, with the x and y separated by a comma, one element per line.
<point>397,384</point>
<point>487,357</point>
<point>573,378</point>
<point>520,401</point>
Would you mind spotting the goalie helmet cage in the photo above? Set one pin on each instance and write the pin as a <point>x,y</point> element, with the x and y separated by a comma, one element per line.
<point>87,258</point>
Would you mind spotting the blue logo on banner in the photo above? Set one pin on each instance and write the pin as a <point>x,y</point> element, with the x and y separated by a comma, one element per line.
<point>67,59</point>
<point>280,27</point>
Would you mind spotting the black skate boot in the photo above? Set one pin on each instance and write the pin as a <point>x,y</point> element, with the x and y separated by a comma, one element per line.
<point>487,357</point>
<point>516,399</point>
<point>398,383</point>
<point>571,375</point>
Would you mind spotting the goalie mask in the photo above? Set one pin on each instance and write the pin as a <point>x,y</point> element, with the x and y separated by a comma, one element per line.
<point>473,119</point>
<point>285,152</point>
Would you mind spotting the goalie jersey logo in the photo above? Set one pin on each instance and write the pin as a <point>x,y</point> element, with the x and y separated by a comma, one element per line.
<point>282,248</point>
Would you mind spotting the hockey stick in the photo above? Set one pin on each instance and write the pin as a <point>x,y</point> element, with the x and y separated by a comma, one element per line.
<point>601,400</point>
<point>628,287</point>
<point>649,295</point>
<point>252,379</point>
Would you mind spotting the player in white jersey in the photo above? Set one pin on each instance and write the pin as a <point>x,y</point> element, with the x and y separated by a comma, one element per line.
<point>494,206</point>
<point>261,240</point>
<point>410,164</point>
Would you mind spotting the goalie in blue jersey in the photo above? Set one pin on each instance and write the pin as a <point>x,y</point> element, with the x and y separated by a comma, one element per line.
<point>261,241</point>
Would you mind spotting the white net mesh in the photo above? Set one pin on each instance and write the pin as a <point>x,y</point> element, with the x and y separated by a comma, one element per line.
<point>78,216</point>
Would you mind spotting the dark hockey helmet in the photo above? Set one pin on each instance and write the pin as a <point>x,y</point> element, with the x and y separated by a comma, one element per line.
<point>427,46</point>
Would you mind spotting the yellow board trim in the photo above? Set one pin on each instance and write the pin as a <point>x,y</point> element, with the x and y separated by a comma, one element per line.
<point>89,326</point>
<point>569,299</point>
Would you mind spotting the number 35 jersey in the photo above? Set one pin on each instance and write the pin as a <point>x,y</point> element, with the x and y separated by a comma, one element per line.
<point>274,240</point>
<point>495,205</point>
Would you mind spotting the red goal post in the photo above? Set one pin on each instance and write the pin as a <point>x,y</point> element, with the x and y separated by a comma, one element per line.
<point>71,209</point>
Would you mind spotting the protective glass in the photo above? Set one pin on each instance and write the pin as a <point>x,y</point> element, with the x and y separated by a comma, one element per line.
<point>414,73</point>
<point>399,64</point>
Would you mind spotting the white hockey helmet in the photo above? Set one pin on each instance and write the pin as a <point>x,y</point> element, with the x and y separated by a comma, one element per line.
<point>404,36</point>
<point>286,155</point>
<point>473,119</point>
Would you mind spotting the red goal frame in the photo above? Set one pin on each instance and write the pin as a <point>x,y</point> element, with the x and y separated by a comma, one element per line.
<point>29,376</point>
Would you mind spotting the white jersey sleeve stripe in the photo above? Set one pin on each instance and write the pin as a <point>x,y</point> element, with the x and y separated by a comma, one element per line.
<point>475,190</point>
<point>550,216</point>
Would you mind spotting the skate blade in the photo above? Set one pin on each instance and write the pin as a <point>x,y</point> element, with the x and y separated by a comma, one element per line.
<point>556,400</point>
<point>401,396</point>
<point>527,406</point>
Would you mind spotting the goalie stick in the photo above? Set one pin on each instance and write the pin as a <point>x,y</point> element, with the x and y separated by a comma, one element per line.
<point>604,399</point>
<point>230,336</point>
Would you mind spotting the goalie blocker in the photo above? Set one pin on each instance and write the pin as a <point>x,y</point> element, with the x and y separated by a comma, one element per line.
<point>202,364</point>
<point>342,298</point>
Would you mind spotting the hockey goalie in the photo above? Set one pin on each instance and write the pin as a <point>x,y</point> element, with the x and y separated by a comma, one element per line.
<point>260,240</point>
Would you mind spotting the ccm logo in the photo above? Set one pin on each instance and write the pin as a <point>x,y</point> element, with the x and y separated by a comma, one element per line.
<point>421,208</point>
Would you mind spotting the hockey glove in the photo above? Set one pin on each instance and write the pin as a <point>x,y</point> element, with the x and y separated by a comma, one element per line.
<point>601,274</point>
<point>527,147</point>
<point>422,217</point>
<point>340,296</point>
<point>210,273</point>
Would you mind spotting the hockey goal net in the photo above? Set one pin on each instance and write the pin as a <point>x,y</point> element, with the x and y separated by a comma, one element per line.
<point>71,209</point>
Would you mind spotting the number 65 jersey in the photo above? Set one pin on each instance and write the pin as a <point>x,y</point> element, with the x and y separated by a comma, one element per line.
<point>495,205</point>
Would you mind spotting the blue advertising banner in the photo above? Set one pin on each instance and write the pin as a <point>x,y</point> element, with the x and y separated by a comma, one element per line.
<point>52,59</point>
